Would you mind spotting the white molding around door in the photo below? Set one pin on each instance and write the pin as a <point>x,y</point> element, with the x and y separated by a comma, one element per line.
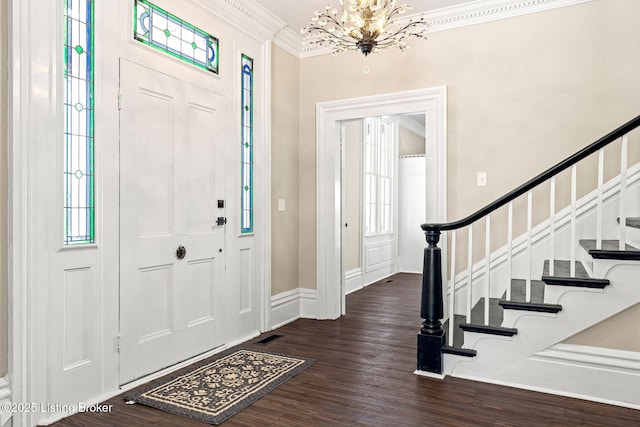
<point>431,101</point>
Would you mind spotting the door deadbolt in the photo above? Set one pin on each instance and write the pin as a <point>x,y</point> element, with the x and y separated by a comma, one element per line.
<point>181,252</point>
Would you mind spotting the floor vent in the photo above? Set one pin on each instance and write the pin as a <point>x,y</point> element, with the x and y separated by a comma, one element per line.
<point>268,339</point>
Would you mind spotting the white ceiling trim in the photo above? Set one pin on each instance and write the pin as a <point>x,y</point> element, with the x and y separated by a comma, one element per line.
<point>476,12</point>
<point>246,15</point>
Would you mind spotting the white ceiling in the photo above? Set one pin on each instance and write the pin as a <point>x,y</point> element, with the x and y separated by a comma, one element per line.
<point>298,13</point>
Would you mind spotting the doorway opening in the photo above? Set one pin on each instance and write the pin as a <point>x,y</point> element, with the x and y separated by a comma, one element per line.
<point>431,103</point>
<point>383,197</point>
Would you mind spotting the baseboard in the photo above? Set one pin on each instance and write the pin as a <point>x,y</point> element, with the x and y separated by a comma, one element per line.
<point>588,373</point>
<point>5,397</point>
<point>294,304</point>
<point>308,303</point>
<point>353,280</point>
<point>285,308</point>
<point>592,357</point>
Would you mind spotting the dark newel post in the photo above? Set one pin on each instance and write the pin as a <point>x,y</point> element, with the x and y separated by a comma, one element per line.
<point>431,337</point>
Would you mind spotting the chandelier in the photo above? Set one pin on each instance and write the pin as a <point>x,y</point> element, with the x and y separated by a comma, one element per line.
<point>364,25</point>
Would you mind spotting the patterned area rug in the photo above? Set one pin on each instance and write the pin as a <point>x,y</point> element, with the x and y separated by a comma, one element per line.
<point>214,390</point>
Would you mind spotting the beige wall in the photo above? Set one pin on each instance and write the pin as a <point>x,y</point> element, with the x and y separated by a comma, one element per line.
<point>284,176</point>
<point>620,332</point>
<point>3,188</point>
<point>352,197</point>
<point>523,93</point>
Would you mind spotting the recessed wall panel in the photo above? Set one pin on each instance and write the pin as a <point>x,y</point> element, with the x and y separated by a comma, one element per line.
<point>374,256</point>
<point>77,318</point>
<point>246,279</point>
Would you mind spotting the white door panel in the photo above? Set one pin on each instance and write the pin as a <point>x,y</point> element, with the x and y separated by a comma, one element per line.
<point>171,177</point>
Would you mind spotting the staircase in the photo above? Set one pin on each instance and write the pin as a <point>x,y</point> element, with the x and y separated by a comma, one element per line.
<point>574,270</point>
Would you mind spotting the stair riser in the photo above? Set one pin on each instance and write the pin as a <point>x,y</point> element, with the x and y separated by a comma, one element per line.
<point>511,317</point>
<point>554,294</point>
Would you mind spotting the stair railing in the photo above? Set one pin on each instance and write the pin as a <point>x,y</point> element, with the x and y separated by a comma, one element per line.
<point>431,338</point>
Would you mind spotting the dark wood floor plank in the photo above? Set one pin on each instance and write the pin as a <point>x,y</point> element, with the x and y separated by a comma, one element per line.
<point>363,376</point>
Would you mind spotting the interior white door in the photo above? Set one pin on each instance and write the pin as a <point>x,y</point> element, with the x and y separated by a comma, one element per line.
<point>172,172</point>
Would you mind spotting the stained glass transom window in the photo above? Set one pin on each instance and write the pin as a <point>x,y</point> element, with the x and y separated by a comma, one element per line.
<point>79,197</point>
<point>247,145</point>
<point>160,29</point>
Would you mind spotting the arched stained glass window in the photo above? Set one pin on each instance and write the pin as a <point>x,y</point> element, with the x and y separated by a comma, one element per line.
<point>246,200</point>
<point>79,196</point>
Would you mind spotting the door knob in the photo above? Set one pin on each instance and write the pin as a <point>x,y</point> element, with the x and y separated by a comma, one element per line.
<point>181,252</point>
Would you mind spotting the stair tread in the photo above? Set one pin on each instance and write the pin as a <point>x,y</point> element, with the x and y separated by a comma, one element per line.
<point>494,330</point>
<point>607,245</point>
<point>562,268</point>
<point>587,282</point>
<point>633,222</point>
<point>460,351</point>
<point>531,306</point>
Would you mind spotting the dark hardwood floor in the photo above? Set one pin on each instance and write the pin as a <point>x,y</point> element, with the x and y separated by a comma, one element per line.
<point>364,377</point>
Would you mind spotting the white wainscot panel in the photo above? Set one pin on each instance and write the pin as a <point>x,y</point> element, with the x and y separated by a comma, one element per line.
<point>246,279</point>
<point>77,318</point>
<point>387,253</point>
<point>374,257</point>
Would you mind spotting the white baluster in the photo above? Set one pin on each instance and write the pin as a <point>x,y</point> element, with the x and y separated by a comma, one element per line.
<point>469,273</point>
<point>573,221</point>
<point>552,226</point>
<point>623,194</point>
<point>452,288</point>
<point>509,248</point>
<point>599,205</point>
<point>487,268</point>
<point>529,250</point>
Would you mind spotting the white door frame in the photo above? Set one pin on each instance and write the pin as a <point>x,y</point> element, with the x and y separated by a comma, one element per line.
<point>433,101</point>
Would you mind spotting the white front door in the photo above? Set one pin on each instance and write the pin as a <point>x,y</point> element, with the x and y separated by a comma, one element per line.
<point>172,252</point>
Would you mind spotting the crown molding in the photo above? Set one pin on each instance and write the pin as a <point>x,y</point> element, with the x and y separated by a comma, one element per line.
<point>246,15</point>
<point>482,11</point>
<point>472,13</point>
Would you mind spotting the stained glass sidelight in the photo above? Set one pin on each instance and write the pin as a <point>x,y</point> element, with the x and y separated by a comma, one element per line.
<point>79,197</point>
<point>246,220</point>
<point>160,29</point>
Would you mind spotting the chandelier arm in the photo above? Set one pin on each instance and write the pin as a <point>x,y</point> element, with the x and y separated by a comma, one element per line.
<point>402,30</point>
<point>321,31</point>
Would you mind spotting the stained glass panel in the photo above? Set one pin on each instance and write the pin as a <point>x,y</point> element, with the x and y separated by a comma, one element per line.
<point>246,200</point>
<point>160,29</point>
<point>79,207</point>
